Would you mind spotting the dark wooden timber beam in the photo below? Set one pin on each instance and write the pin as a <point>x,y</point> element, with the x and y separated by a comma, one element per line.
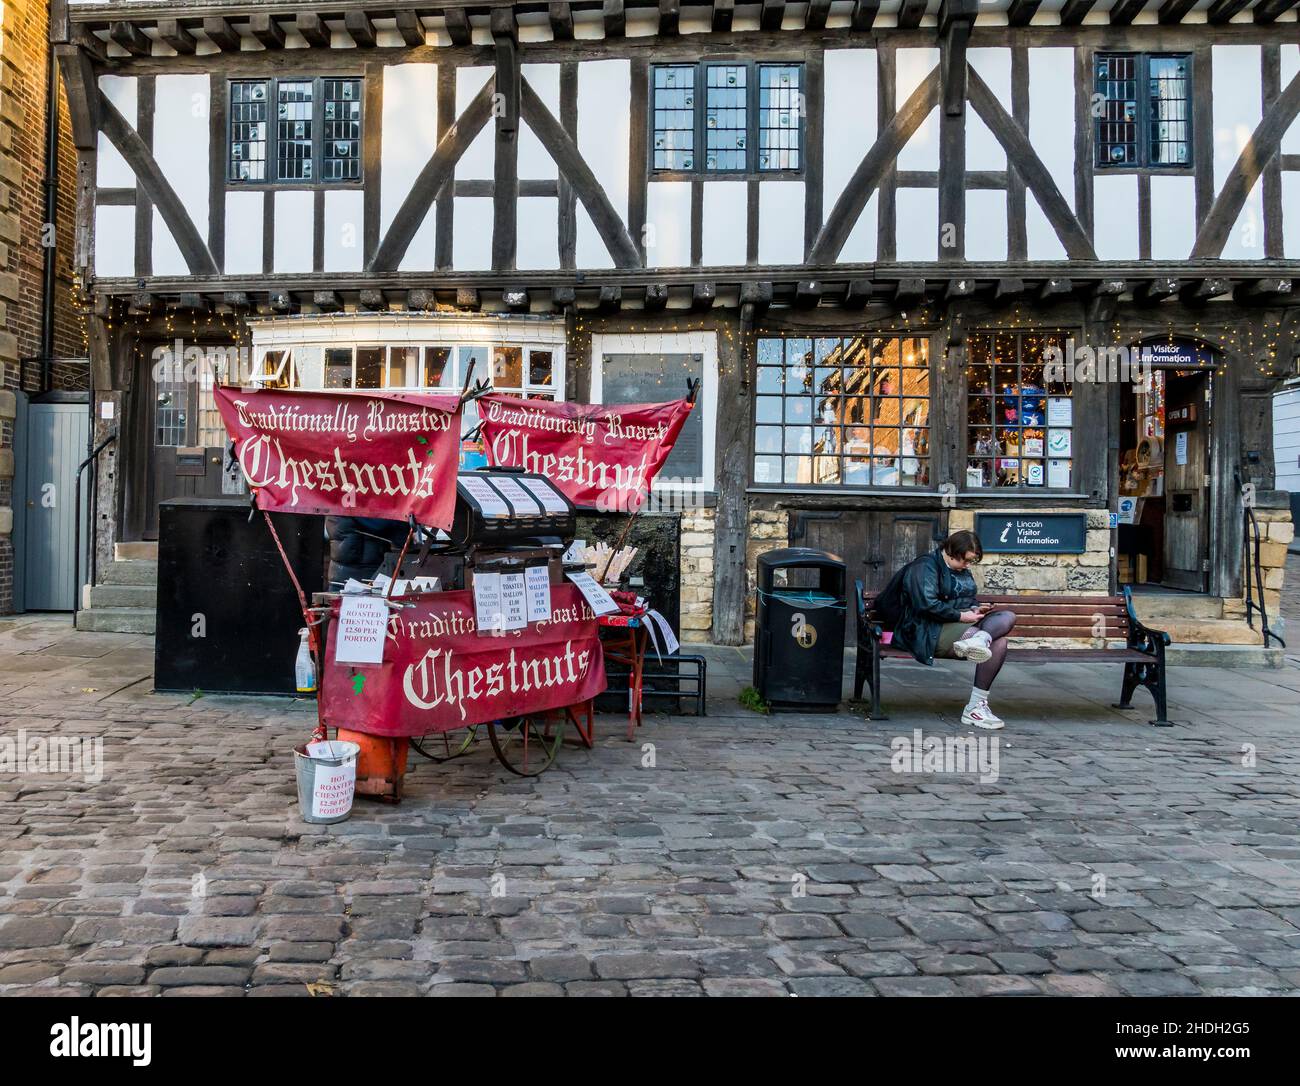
<point>373,300</point>
<point>814,18</point>
<point>958,288</point>
<point>467,298</point>
<point>423,301</point>
<point>703,295</point>
<point>864,14</point>
<point>1109,288</point>
<point>656,297</point>
<point>807,294</point>
<point>1172,11</point>
<point>1263,291</point>
<point>281,301</point>
<point>909,291</point>
<point>505,42</point>
<point>561,16</point>
<point>723,12</point>
<point>131,38</point>
<point>411,28</point>
<point>1074,11</point>
<point>82,89</point>
<point>563,297</point>
<point>360,29</point>
<point>1021,12</point>
<point>858,293</point>
<point>1268,11</point>
<point>517,301</point>
<point>1055,289</point>
<point>610,299</point>
<point>615,19</point>
<point>172,33</point>
<point>1125,11</point>
<point>238,300</point>
<point>189,302</point>
<point>1203,290</point>
<point>327,301</point>
<point>142,304</point>
<point>219,31</point>
<point>670,15</point>
<point>771,14</point>
<point>266,30</point>
<point>312,27</point>
<point>757,294</point>
<point>1221,11</point>
<point>956,18</point>
<point>1155,290</point>
<point>458,29</point>
<point>1008,290</point>
<point>909,15</point>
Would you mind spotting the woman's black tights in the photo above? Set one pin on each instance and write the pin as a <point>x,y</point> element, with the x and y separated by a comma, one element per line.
<point>997,624</point>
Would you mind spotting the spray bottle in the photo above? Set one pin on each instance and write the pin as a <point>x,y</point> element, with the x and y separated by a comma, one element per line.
<point>304,667</point>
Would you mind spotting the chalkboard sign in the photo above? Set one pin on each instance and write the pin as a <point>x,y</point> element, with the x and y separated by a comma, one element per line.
<point>1032,533</point>
<point>656,378</point>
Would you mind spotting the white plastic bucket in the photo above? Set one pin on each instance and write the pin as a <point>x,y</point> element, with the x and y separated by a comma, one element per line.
<point>327,780</point>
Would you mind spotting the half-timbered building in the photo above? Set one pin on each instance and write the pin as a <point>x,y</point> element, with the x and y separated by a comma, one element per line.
<point>865,225</point>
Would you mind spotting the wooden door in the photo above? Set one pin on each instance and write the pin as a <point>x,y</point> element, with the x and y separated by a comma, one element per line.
<point>873,544</point>
<point>1186,527</point>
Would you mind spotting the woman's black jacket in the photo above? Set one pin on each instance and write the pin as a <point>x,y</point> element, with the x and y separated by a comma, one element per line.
<point>920,598</point>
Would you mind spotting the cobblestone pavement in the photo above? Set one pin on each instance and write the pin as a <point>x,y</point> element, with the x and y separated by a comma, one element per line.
<point>765,856</point>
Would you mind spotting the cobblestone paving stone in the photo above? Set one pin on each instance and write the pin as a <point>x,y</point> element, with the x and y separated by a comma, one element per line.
<point>758,856</point>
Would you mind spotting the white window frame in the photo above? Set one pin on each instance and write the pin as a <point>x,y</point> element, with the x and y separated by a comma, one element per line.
<point>704,344</point>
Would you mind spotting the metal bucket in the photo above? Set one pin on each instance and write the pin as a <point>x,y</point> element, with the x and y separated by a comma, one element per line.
<point>327,780</point>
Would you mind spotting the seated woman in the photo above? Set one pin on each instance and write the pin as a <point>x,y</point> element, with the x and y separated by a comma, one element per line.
<point>930,604</point>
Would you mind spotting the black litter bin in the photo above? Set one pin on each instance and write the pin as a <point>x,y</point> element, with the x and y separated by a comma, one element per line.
<point>799,635</point>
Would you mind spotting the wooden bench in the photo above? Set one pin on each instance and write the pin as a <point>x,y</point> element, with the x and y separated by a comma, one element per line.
<point>1093,617</point>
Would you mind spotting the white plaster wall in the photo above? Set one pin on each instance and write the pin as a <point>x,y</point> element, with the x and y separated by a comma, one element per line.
<point>1051,114</point>
<point>294,229</point>
<point>115,241</point>
<point>860,245</point>
<point>983,152</point>
<point>668,222</point>
<point>344,230</point>
<point>537,233</point>
<point>986,224</point>
<point>534,163</point>
<point>1041,240</point>
<point>111,170</point>
<point>471,246</point>
<point>1291,215</point>
<point>408,138</point>
<point>478,161</point>
<point>1173,216</point>
<point>180,147</point>
<point>917,229</point>
<point>921,152</point>
<point>243,254</point>
<point>604,112</point>
<point>849,125</point>
<point>780,222</point>
<point>1238,106</point>
<point>724,222</point>
<point>1290,69</point>
<point>1115,233</point>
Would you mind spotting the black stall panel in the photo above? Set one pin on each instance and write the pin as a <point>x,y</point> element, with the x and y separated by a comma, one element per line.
<point>228,616</point>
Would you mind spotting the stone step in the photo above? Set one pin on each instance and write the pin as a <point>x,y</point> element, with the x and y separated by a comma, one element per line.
<point>137,571</point>
<point>144,596</point>
<point>1153,605</point>
<point>125,552</point>
<point>1249,656</point>
<point>1208,631</point>
<point>137,620</point>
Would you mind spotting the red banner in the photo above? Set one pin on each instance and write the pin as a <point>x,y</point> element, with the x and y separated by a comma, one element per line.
<point>438,674</point>
<point>361,454</point>
<point>602,456</point>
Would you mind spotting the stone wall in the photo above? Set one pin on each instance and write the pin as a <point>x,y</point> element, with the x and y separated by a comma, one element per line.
<point>1032,574</point>
<point>768,531</point>
<point>697,574</point>
<point>1276,531</point>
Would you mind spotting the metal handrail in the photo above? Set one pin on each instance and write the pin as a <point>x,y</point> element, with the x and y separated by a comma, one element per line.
<point>1253,543</point>
<point>76,522</point>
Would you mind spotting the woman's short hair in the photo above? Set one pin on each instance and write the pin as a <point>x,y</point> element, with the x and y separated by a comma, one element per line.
<point>960,544</point>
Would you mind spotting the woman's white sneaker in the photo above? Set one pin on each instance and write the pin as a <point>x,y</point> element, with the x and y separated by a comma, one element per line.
<point>974,648</point>
<point>981,716</point>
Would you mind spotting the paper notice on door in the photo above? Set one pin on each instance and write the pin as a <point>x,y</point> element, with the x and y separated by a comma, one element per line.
<point>1060,411</point>
<point>517,496</point>
<point>489,617</point>
<point>538,581</point>
<point>1180,448</point>
<point>1058,474</point>
<point>551,499</point>
<point>514,595</point>
<point>363,625</point>
<point>597,598</point>
<point>489,501</point>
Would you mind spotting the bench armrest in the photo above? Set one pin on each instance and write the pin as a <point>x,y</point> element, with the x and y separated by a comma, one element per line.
<point>872,631</point>
<point>1140,636</point>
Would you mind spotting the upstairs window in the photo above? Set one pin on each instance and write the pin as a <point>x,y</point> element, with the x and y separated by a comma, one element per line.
<point>733,118</point>
<point>295,131</point>
<point>1142,105</point>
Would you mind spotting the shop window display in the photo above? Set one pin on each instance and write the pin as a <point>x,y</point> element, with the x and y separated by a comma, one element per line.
<point>843,411</point>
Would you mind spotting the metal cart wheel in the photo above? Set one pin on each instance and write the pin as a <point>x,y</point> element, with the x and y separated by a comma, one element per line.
<point>527,745</point>
<point>442,747</point>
